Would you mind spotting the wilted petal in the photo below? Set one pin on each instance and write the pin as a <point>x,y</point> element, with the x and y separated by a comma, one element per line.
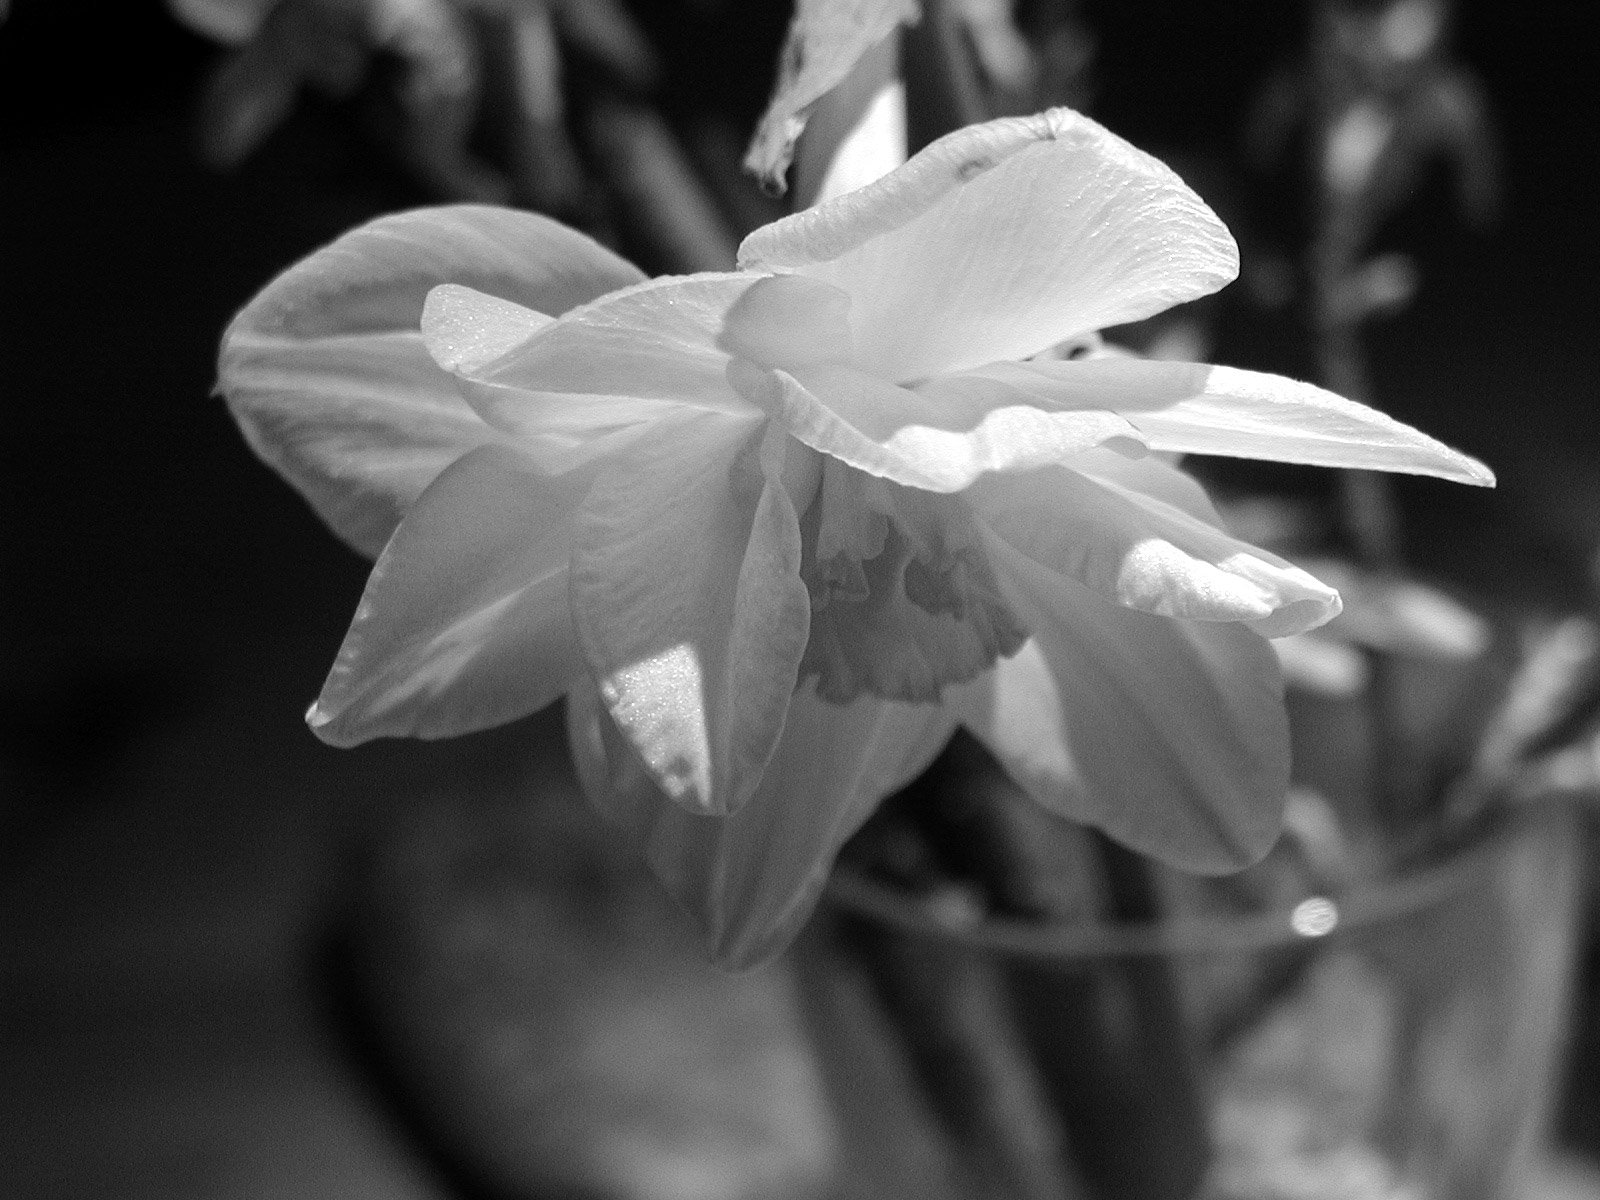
<point>326,372</point>
<point>752,879</point>
<point>1193,408</point>
<point>633,354</point>
<point>940,441</point>
<point>1149,555</point>
<point>825,40</point>
<point>1000,240</point>
<point>1170,735</point>
<point>857,132</point>
<point>687,594</point>
<point>465,621</point>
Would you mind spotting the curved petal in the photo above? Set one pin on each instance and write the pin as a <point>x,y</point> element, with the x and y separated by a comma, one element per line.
<point>687,594</point>
<point>1193,408</point>
<point>642,349</point>
<point>359,424</point>
<point>825,42</point>
<point>465,329</point>
<point>1169,735</point>
<point>1000,240</point>
<point>857,133</point>
<point>903,602</point>
<point>376,277</point>
<point>788,321</point>
<point>465,622</point>
<point>1154,476</point>
<point>751,879</point>
<point>1146,554</point>
<point>325,369</point>
<point>940,440</point>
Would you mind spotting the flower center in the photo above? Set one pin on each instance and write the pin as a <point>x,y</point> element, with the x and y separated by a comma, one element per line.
<point>903,600</point>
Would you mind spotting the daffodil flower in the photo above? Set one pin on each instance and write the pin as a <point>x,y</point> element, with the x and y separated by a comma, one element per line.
<point>775,533</point>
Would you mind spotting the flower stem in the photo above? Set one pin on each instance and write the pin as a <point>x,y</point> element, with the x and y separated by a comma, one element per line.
<point>1118,1053</point>
<point>951,1009</point>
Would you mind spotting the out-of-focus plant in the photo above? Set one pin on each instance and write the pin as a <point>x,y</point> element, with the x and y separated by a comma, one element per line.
<point>1009,62</point>
<point>1378,100</point>
<point>472,98</point>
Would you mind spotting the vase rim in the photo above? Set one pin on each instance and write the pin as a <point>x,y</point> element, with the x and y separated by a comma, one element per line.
<point>1317,916</point>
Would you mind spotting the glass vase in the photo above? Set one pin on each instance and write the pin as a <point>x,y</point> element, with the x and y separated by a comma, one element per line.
<point>1400,1038</point>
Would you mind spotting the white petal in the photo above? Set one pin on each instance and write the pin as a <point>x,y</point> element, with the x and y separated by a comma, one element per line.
<point>825,41</point>
<point>1146,554</point>
<point>629,357</point>
<point>909,605</point>
<point>940,441</point>
<point>326,372</point>
<point>788,321</point>
<point>359,424</point>
<point>857,133</point>
<point>1152,475</point>
<point>465,621</point>
<point>751,879</point>
<point>1000,240</point>
<point>1193,408</point>
<point>465,329</point>
<point>1169,735</point>
<point>687,594</point>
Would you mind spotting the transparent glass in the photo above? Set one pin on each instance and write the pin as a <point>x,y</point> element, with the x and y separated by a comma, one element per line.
<point>1398,1040</point>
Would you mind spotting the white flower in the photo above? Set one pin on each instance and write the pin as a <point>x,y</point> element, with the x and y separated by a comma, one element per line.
<point>776,532</point>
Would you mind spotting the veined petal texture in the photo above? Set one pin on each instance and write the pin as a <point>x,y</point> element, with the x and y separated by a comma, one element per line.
<point>465,622</point>
<point>646,348</point>
<point>325,369</point>
<point>937,439</point>
<point>1146,554</point>
<point>687,595</point>
<point>1001,240</point>
<point>1168,734</point>
<point>1193,408</point>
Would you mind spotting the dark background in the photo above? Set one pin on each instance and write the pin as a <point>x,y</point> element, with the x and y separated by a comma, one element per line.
<point>169,832</point>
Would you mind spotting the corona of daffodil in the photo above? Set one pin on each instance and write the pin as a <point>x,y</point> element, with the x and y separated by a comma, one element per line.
<point>775,533</point>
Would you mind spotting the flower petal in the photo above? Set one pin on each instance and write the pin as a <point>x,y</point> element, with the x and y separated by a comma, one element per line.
<point>1192,408</point>
<point>465,329</point>
<point>751,879</point>
<point>1146,554</point>
<point>1000,240</point>
<point>857,132</point>
<point>1154,476</point>
<point>629,356</point>
<point>940,440</point>
<point>465,621</point>
<point>359,424</point>
<point>687,594</point>
<point>1169,735</point>
<point>788,321</point>
<point>902,598</point>
<point>825,40</point>
<point>325,369</point>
